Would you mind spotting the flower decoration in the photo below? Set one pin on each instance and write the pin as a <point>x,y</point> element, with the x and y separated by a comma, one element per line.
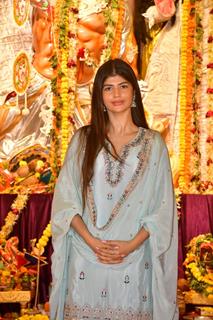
<point>13,215</point>
<point>42,242</point>
<point>199,264</point>
<point>64,86</point>
<point>34,317</point>
<point>185,93</point>
<point>195,121</point>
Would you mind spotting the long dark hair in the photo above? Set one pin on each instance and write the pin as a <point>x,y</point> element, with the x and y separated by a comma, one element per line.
<point>94,136</point>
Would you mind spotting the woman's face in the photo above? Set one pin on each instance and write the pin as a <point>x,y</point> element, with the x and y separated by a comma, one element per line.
<point>117,94</point>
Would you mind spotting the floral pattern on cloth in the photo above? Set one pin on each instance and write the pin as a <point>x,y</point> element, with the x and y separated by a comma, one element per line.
<point>114,168</point>
<point>87,312</point>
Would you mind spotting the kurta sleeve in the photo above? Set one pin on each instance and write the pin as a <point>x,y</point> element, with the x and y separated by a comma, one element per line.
<point>161,222</point>
<point>67,202</point>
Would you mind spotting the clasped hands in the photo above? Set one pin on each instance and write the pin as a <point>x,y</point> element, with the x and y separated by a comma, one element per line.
<point>111,251</point>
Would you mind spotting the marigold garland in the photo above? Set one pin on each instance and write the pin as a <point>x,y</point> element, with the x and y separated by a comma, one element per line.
<point>111,14</point>
<point>196,102</point>
<point>183,95</point>
<point>202,46</point>
<point>33,317</point>
<point>118,33</point>
<point>66,15</point>
<point>196,264</point>
<point>65,62</point>
<point>13,215</point>
<point>209,114</point>
<point>42,242</point>
<point>189,90</point>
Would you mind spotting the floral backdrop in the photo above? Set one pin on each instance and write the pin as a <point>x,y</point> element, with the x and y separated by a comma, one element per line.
<point>43,98</point>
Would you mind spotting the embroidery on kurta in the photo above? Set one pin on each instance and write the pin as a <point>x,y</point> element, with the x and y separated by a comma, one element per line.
<point>143,155</point>
<point>126,279</point>
<point>98,313</point>
<point>114,169</point>
<point>82,275</point>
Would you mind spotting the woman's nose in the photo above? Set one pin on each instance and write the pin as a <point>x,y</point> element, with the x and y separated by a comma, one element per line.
<point>116,91</point>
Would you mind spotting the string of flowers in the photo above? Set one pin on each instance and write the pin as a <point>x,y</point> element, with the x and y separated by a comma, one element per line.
<point>64,85</point>
<point>209,114</point>
<point>183,94</point>
<point>16,208</point>
<point>33,317</point>
<point>118,33</point>
<point>202,15</point>
<point>55,160</point>
<point>65,63</point>
<point>42,242</point>
<point>67,8</point>
<point>111,15</point>
<point>196,103</point>
<point>189,90</point>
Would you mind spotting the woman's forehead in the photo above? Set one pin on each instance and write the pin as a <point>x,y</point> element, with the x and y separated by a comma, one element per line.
<point>114,79</point>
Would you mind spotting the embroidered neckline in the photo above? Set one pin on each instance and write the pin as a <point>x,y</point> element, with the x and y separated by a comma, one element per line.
<point>114,169</point>
<point>143,157</point>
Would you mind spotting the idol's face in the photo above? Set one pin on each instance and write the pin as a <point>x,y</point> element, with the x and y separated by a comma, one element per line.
<point>21,4</point>
<point>22,72</point>
<point>117,94</point>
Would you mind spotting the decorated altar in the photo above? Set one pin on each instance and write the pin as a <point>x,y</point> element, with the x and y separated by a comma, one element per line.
<point>49,56</point>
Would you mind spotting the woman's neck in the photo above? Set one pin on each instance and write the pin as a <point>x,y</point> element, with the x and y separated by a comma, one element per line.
<point>121,125</point>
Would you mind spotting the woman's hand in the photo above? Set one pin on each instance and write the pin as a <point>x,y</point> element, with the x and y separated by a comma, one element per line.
<point>105,251</point>
<point>113,252</point>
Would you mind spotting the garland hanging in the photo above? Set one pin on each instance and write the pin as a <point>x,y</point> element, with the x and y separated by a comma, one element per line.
<point>195,102</point>
<point>209,114</point>
<point>65,62</point>
<point>183,95</point>
<point>16,208</point>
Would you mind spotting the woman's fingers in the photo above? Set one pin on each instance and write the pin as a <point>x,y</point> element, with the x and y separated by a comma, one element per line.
<point>108,260</point>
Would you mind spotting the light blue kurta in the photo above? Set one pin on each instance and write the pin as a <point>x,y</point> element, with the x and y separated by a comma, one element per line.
<point>121,199</point>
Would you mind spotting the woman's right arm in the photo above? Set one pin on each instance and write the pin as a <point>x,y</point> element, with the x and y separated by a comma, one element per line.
<point>80,227</point>
<point>110,250</point>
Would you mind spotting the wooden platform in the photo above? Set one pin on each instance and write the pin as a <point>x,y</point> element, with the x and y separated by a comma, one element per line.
<point>192,297</point>
<point>21,297</point>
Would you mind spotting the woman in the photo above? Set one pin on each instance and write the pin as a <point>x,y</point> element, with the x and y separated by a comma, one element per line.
<point>113,220</point>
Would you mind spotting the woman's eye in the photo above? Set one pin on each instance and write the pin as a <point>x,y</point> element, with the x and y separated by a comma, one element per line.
<point>107,88</point>
<point>124,86</point>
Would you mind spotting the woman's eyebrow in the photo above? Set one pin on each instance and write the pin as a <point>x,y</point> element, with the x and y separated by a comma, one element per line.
<point>111,84</point>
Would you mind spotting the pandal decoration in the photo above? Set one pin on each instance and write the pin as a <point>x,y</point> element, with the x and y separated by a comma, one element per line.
<point>195,124</point>
<point>198,264</point>
<point>13,215</point>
